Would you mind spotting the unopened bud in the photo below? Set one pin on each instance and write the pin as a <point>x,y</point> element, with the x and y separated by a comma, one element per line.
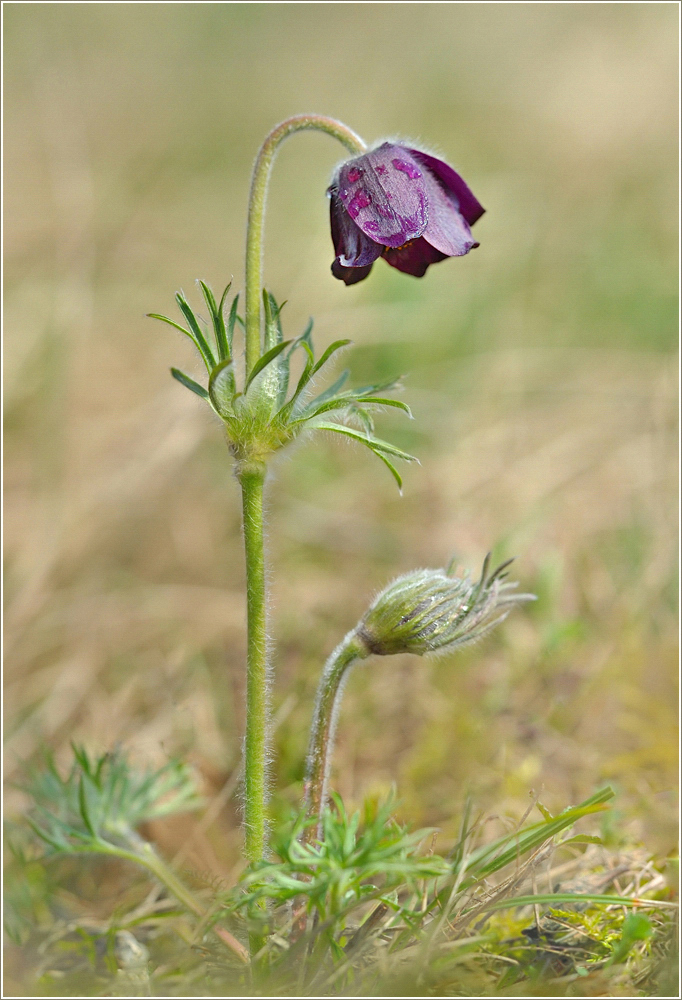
<point>430,610</point>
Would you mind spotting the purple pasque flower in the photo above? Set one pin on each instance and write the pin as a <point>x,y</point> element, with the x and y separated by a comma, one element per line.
<point>401,204</point>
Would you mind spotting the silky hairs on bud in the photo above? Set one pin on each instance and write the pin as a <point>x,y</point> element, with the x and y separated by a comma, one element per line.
<point>429,610</point>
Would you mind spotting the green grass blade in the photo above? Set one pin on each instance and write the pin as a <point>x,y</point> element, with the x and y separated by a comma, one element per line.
<point>553,898</point>
<point>492,857</point>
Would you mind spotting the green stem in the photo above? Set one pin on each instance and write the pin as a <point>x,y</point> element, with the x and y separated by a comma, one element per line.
<point>323,729</point>
<point>252,480</point>
<point>257,198</point>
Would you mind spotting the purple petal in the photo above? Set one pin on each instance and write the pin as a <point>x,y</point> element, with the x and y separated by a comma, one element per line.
<point>350,275</point>
<point>384,193</point>
<point>455,187</point>
<point>447,229</point>
<point>414,258</point>
<point>352,247</point>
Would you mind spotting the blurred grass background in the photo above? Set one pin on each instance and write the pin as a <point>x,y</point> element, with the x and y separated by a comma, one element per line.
<point>541,370</point>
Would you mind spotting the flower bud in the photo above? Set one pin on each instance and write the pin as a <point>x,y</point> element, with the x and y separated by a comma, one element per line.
<point>429,610</point>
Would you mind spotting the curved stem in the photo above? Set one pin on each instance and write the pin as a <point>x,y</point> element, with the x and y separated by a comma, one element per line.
<point>323,729</point>
<point>257,198</point>
<point>255,744</point>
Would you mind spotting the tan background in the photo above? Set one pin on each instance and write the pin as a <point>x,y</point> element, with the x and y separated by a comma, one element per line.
<point>540,370</point>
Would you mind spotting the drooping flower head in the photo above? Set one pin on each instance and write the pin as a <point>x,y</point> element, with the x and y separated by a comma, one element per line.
<point>401,204</point>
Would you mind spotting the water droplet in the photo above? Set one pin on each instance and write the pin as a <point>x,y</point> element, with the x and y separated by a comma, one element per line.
<point>354,174</point>
<point>359,200</point>
<point>380,168</point>
<point>412,171</point>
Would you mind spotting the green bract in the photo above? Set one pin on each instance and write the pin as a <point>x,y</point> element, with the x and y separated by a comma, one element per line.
<point>270,409</point>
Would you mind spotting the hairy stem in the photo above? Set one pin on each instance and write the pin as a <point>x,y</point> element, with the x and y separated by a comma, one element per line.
<point>252,481</point>
<point>323,729</point>
<point>257,198</point>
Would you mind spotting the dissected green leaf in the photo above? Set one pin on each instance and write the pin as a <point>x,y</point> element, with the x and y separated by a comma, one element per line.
<point>330,392</point>
<point>103,797</point>
<point>218,319</point>
<point>189,383</point>
<point>273,325</point>
<point>365,418</point>
<point>171,322</point>
<point>307,334</point>
<point>231,320</point>
<point>284,412</point>
<point>83,807</point>
<point>372,390</point>
<point>374,443</point>
<point>332,349</point>
<point>222,388</point>
<point>265,360</point>
<point>346,400</point>
<point>391,468</point>
<point>192,322</point>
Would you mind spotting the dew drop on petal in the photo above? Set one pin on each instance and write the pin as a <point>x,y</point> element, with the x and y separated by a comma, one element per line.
<point>412,171</point>
<point>354,174</point>
<point>380,168</point>
<point>359,201</point>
